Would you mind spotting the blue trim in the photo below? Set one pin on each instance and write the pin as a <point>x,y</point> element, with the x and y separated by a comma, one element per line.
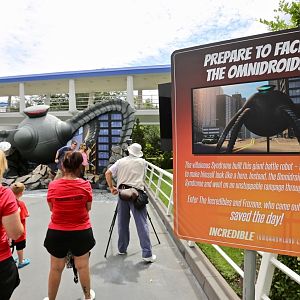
<point>89,73</point>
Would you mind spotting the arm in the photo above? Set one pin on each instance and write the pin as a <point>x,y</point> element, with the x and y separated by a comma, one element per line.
<point>12,225</point>
<point>50,205</point>
<point>56,156</point>
<point>108,177</point>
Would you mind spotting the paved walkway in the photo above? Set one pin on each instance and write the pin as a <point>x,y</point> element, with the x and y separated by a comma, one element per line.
<point>116,277</point>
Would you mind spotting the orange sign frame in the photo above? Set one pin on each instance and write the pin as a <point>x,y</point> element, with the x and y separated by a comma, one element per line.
<point>249,201</point>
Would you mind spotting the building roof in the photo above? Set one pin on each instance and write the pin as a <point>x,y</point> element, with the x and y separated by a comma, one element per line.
<point>112,79</point>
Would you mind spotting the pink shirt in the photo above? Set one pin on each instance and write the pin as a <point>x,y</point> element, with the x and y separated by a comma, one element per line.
<point>85,160</point>
<point>69,198</point>
<point>8,206</point>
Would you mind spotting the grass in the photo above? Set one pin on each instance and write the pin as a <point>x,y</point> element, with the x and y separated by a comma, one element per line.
<point>229,274</point>
<point>237,255</point>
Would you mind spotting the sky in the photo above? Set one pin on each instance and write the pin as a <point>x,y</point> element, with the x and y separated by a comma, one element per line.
<point>71,35</point>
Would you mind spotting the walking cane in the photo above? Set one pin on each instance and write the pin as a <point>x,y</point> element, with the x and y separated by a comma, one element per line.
<point>111,228</point>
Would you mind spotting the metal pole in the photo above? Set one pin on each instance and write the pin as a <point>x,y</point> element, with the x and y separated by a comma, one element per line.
<point>153,227</point>
<point>249,275</point>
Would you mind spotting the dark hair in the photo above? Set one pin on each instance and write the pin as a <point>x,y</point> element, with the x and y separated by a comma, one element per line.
<point>72,161</point>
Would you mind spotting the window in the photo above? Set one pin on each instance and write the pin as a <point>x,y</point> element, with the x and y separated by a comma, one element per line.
<point>109,134</point>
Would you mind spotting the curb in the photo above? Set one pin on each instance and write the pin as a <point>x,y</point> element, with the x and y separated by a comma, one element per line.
<point>213,284</point>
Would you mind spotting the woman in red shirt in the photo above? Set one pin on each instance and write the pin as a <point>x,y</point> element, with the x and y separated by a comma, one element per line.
<point>70,199</point>
<point>10,228</point>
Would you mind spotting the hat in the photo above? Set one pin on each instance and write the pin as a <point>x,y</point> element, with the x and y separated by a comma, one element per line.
<point>135,149</point>
<point>5,146</point>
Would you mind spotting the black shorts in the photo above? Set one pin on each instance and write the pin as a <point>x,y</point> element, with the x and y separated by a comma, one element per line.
<point>20,245</point>
<point>59,242</point>
<point>9,278</point>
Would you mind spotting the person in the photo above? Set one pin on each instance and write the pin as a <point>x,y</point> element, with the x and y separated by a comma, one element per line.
<point>70,200</point>
<point>59,156</point>
<point>20,244</point>
<point>10,228</point>
<point>130,172</point>
<point>83,150</point>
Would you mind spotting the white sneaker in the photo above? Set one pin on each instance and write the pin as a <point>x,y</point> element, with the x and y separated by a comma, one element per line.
<point>93,295</point>
<point>150,259</point>
<point>46,298</point>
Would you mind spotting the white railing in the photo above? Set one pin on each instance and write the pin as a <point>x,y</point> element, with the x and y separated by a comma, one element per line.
<point>61,103</point>
<point>160,182</point>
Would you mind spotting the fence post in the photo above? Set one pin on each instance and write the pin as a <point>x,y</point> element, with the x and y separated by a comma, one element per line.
<point>170,202</point>
<point>158,185</point>
<point>265,275</point>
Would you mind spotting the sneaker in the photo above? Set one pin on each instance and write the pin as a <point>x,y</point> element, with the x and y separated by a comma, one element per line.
<point>150,259</point>
<point>46,298</point>
<point>92,294</point>
<point>122,253</point>
<point>24,263</point>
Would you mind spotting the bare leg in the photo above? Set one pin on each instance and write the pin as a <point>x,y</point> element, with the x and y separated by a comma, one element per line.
<point>82,266</point>
<point>20,255</point>
<point>56,267</point>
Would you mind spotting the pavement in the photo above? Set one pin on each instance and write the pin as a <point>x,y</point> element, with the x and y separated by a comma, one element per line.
<point>116,276</point>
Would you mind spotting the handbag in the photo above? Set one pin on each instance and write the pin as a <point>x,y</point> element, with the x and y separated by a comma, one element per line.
<point>130,194</point>
<point>141,200</point>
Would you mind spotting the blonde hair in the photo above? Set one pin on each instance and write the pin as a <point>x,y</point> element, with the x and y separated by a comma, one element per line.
<point>17,188</point>
<point>3,163</point>
<point>83,146</point>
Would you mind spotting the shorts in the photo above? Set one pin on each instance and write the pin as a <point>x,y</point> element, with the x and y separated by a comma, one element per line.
<point>59,242</point>
<point>20,245</point>
<point>9,278</point>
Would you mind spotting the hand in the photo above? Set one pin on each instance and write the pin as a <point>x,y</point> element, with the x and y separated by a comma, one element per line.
<point>56,160</point>
<point>114,190</point>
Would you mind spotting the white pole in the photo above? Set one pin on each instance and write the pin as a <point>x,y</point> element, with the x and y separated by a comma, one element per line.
<point>130,90</point>
<point>72,96</point>
<point>22,96</point>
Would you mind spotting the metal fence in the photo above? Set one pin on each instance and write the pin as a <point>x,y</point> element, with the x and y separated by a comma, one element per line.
<point>161,184</point>
<point>61,102</point>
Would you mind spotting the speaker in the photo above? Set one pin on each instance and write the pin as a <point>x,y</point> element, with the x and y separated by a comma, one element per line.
<point>165,116</point>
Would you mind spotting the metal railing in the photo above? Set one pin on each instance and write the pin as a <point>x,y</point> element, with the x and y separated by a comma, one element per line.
<point>160,182</point>
<point>82,102</point>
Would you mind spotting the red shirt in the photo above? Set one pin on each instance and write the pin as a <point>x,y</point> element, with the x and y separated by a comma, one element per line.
<point>23,215</point>
<point>8,206</point>
<point>69,198</point>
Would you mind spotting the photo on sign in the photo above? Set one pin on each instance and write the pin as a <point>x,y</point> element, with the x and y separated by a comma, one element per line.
<point>257,117</point>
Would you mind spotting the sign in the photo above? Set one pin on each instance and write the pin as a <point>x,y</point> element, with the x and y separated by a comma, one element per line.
<point>236,135</point>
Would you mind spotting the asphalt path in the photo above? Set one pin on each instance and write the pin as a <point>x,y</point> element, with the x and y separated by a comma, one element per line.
<point>115,277</point>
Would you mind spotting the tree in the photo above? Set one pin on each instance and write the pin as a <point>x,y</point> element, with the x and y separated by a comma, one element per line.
<point>290,10</point>
<point>138,134</point>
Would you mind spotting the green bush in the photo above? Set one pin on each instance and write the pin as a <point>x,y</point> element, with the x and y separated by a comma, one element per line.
<point>283,287</point>
<point>164,160</point>
<point>148,136</point>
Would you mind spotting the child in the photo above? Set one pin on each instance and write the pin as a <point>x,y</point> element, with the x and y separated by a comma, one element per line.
<point>18,189</point>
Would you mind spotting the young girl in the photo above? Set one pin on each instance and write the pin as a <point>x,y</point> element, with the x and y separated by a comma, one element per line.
<point>18,189</point>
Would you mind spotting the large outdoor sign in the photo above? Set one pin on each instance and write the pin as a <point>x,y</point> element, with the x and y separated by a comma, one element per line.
<point>236,135</point>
